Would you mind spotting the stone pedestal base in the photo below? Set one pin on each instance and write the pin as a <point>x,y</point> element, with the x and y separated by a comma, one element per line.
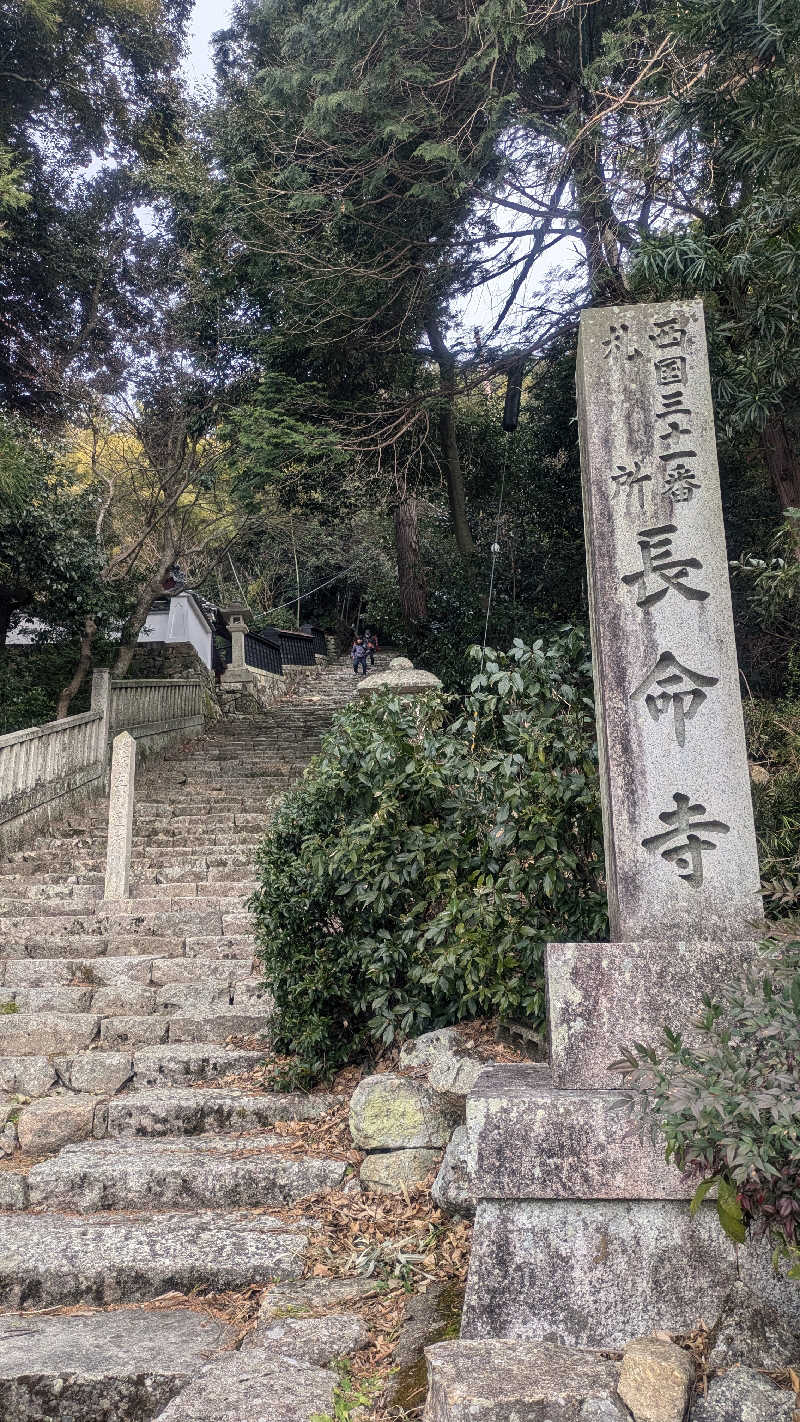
<point>583,1234</point>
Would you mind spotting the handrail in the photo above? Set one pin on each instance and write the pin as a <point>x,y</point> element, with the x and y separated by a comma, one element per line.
<point>44,768</point>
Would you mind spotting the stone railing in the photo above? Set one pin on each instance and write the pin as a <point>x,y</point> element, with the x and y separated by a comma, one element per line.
<point>45,768</point>
<point>154,711</point>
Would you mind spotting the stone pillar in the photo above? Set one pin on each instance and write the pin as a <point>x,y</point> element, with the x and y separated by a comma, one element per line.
<point>680,842</point>
<point>101,701</point>
<point>120,817</point>
<point>583,1232</point>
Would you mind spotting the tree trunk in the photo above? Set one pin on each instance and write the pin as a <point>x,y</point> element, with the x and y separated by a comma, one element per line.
<point>783,461</point>
<point>599,226</point>
<point>75,683</point>
<point>137,619</point>
<point>411,582</point>
<point>449,443</point>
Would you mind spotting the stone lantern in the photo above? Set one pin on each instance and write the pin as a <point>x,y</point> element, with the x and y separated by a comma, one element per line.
<point>235,622</point>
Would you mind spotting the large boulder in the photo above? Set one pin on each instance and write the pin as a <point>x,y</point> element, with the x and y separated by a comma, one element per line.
<point>389,1112</point>
<point>389,1171</point>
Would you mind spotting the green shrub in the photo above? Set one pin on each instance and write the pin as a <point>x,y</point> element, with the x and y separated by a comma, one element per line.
<point>414,876</point>
<point>773,743</point>
<point>728,1107</point>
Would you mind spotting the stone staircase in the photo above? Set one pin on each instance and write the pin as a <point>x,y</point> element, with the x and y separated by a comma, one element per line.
<point>129,1168</point>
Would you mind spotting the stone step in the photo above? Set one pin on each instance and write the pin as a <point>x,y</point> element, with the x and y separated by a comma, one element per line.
<point>197,1172</point>
<point>124,1364</point>
<point>126,997</point>
<point>258,1385</point>
<point>109,971</point>
<point>47,1034</point>
<point>75,947</point>
<point>180,1063</point>
<point>58,1259</point>
<point>209,895</point>
<point>188,1111</point>
<point>103,1072</point>
<point>488,1380</point>
<point>56,1034</point>
<point>155,1030</point>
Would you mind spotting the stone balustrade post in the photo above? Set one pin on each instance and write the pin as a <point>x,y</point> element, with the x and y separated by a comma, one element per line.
<point>120,817</point>
<point>101,701</point>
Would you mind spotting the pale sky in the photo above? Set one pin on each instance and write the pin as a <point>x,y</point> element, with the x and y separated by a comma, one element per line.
<point>207,17</point>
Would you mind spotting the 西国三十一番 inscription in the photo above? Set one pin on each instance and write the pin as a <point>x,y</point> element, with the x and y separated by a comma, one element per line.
<point>680,483</point>
<point>669,686</point>
<point>661,570</point>
<point>681,845</point>
<point>667,331</point>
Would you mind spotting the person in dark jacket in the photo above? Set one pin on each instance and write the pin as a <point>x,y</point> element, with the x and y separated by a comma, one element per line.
<point>359,654</point>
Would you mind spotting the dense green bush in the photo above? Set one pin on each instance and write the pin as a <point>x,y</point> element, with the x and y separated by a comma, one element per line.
<point>728,1107</point>
<point>773,743</point>
<point>415,875</point>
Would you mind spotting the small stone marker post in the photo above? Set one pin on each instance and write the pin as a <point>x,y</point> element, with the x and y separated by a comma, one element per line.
<point>680,842</point>
<point>583,1232</point>
<point>120,816</point>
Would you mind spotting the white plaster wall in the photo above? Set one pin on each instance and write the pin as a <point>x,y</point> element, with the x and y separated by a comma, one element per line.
<point>181,622</point>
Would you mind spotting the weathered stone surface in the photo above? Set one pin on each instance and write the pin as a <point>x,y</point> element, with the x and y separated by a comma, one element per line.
<point>453,1189</point>
<point>603,995</point>
<point>28,1076</point>
<point>750,1332</point>
<point>680,843</point>
<point>131,1032</point>
<point>656,1380</point>
<point>48,1124</point>
<point>757,1271</point>
<point>196,1171</point>
<point>120,1366</point>
<point>401,680</point>
<point>311,1296</point>
<point>389,1171</point>
<point>387,1112</point>
<point>313,1340</point>
<point>420,1053</point>
<point>497,1381</point>
<point>181,1062</point>
<point>124,999</point>
<point>219,1026</point>
<point>526,1140</point>
<point>13,1192</point>
<point>589,1274</point>
<point>8,1139</point>
<point>744,1396</point>
<point>255,1385</point>
<point>450,1064</point>
<point>48,1034</point>
<point>184,1111</point>
<point>102,1073</point>
<point>60,1259</point>
<point>120,816</point>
